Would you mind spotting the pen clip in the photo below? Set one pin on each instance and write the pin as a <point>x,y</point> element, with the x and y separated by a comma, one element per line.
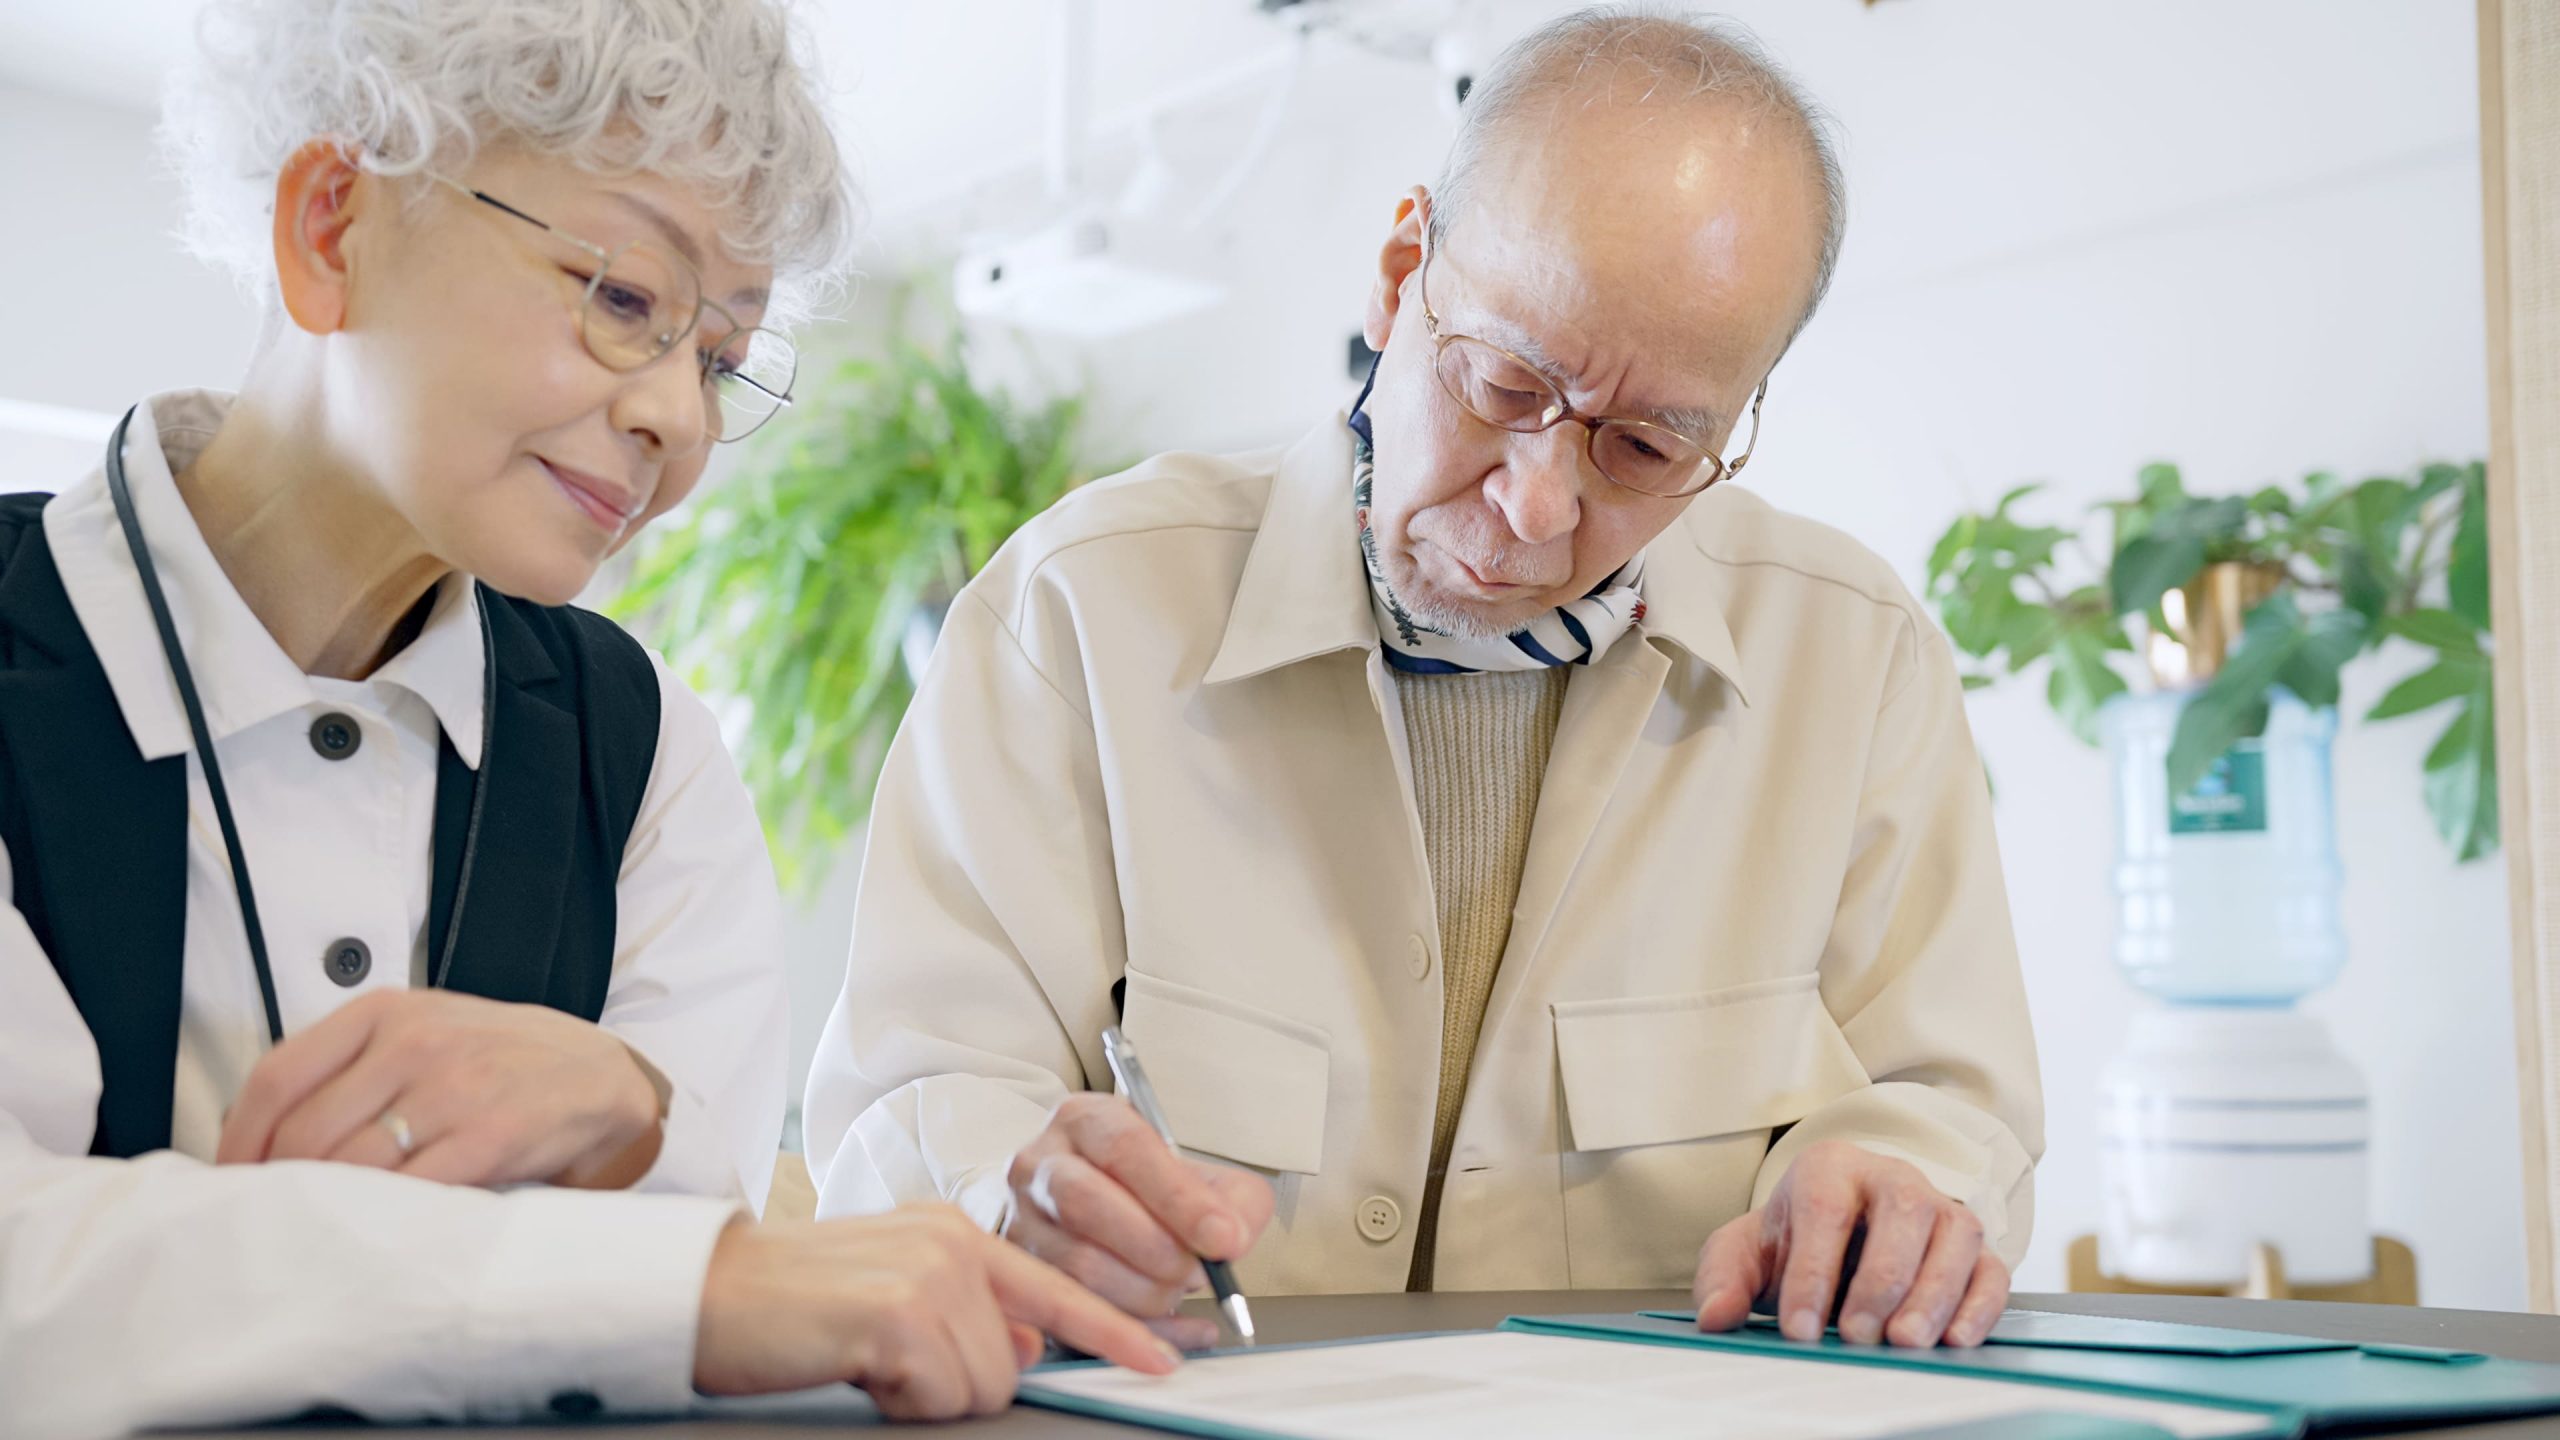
<point>1131,1077</point>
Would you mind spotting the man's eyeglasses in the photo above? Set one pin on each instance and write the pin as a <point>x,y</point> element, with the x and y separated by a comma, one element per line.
<point>642,301</point>
<point>1508,393</point>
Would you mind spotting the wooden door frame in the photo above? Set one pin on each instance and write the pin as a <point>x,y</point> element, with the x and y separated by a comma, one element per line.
<point>2520,172</point>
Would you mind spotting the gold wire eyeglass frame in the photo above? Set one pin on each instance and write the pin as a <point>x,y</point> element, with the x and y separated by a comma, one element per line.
<point>1558,409</point>
<point>761,403</point>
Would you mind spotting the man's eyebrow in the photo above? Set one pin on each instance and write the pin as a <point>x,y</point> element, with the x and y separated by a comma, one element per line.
<point>677,236</point>
<point>1693,425</point>
<point>1688,422</point>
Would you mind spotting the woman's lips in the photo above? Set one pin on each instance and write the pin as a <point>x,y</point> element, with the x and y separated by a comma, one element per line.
<point>608,505</point>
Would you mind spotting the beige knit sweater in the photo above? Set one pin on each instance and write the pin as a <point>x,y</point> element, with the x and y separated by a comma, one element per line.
<point>1480,745</point>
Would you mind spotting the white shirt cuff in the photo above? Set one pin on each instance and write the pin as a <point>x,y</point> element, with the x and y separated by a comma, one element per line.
<point>590,1301</point>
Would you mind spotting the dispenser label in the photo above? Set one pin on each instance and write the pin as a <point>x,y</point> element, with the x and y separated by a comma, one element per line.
<point>2232,796</point>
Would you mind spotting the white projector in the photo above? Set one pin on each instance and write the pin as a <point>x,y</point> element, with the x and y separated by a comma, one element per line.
<point>1069,279</point>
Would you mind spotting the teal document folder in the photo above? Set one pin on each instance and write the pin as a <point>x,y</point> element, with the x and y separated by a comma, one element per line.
<point>2288,1386</point>
<point>2329,1384</point>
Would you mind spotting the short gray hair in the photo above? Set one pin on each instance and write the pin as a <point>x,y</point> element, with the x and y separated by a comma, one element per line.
<point>1679,56</point>
<point>716,95</point>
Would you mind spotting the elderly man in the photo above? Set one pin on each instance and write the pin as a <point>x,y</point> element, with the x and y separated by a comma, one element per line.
<point>1518,861</point>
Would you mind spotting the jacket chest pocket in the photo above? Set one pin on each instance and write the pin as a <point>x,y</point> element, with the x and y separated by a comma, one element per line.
<point>1236,1081</point>
<point>1668,1103</point>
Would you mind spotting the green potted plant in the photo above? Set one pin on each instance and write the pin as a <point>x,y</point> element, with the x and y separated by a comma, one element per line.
<point>801,585</point>
<point>2311,577</point>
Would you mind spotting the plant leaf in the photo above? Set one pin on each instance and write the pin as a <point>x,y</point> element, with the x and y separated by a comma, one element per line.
<point>2467,572</point>
<point>2447,679</point>
<point>2440,629</point>
<point>2233,706</point>
<point>2330,639</point>
<point>787,585</point>
<point>2171,549</point>
<point>2081,683</point>
<point>2462,778</point>
<point>2149,566</point>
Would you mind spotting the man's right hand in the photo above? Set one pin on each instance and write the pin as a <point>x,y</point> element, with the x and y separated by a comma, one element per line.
<point>1100,1196</point>
<point>930,1314</point>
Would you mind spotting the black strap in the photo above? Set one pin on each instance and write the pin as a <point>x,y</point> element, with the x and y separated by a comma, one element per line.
<point>169,647</point>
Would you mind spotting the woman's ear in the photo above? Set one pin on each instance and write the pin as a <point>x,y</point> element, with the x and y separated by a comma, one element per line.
<point>319,194</point>
<point>1396,259</point>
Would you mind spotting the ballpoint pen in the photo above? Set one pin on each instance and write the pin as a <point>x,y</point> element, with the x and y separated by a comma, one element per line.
<point>1132,1077</point>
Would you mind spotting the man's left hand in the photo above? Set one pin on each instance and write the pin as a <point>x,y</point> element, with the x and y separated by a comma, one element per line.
<point>485,1093</point>
<point>1921,1273</point>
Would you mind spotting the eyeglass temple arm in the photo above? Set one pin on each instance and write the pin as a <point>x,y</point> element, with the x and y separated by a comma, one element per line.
<point>494,203</point>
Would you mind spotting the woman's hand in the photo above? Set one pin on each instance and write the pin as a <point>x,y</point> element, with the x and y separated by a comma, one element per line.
<point>931,1315</point>
<point>481,1092</point>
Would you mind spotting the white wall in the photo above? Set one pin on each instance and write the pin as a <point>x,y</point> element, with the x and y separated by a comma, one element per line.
<point>2243,236</point>
<point>103,307</point>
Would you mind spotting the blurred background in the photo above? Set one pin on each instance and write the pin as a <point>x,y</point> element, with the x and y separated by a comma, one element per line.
<point>2242,238</point>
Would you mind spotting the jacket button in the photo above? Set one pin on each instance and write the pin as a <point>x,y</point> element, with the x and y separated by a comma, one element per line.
<point>1380,1218</point>
<point>348,960</point>
<point>335,736</point>
<point>1417,957</point>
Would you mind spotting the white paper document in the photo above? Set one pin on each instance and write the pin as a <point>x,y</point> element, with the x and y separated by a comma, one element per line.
<point>1505,1383</point>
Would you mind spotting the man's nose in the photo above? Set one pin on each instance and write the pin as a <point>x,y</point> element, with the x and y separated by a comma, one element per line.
<point>1539,487</point>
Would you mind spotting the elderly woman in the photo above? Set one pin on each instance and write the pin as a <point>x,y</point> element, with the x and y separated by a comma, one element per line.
<point>390,1015</point>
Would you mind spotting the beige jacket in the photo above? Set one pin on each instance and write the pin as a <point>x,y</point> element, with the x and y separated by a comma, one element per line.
<point>1158,748</point>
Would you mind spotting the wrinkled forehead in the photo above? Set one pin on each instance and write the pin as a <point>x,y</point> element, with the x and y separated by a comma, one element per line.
<point>1689,233</point>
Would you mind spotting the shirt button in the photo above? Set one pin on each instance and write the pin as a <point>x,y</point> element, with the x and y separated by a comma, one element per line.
<point>575,1404</point>
<point>348,960</point>
<point>1417,957</point>
<point>335,736</point>
<point>1380,1218</point>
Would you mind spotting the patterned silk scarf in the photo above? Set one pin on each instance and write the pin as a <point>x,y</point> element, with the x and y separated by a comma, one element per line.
<point>1574,634</point>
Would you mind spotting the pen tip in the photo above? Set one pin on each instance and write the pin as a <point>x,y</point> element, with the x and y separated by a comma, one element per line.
<point>1240,1316</point>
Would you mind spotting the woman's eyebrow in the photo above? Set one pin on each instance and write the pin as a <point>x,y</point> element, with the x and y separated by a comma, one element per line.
<point>685,245</point>
<point>665,225</point>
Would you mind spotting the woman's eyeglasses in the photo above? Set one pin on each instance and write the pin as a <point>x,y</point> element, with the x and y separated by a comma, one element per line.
<point>642,301</point>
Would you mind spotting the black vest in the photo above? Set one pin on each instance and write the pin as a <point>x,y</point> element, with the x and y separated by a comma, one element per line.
<point>96,836</point>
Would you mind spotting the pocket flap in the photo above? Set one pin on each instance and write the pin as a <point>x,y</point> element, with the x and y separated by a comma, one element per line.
<point>1235,1081</point>
<point>1663,1068</point>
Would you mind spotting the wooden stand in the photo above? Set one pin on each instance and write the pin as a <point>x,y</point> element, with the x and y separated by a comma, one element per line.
<point>2394,1280</point>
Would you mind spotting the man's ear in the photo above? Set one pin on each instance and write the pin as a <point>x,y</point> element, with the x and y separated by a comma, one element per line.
<point>319,193</point>
<point>1398,258</point>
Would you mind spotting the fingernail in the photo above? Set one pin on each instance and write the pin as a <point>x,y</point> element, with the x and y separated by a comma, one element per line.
<point>1803,1325</point>
<point>1221,1237</point>
<point>1860,1329</point>
<point>1172,1357</point>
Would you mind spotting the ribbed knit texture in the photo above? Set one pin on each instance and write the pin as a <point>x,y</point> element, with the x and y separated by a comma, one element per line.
<point>1480,745</point>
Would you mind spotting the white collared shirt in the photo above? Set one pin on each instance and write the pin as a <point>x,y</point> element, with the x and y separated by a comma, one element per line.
<point>166,1291</point>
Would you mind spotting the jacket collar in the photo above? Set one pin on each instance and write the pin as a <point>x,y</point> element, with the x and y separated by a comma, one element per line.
<point>1303,593</point>
<point>243,676</point>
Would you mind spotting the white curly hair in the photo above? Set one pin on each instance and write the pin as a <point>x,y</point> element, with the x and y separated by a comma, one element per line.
<point>720,96</point>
